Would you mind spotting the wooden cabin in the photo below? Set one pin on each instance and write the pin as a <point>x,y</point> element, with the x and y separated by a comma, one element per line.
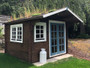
<point>25,37</point>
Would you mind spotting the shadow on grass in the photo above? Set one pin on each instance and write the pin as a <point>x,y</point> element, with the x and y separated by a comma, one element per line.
<point>7,61</point>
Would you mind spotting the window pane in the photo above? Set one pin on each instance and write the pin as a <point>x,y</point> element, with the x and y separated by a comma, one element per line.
<point>37,36</point>
<point>60,34</point>
<point>41,27</point>
<point>55,41</point>
<point>52,49</point>
<point>59,27</point>
<point>41,35</point>
<point>55,27</point>
<point>55,34</point>
<point>60,41</point>
<point>41,31</point>
<point>20,37</point>
<point>13,33</point>
<point>55,48</point>
<point>37,27</point>
<point>62,27</point>
<point>13,37</point>
<point>37,31</point>
<point>62,47</point>
<point>19,33</point>
<point>52,27</point>
<point>52,35</point>
<point>13,29</point>
<point>20,28</point>
<point>52,41</point>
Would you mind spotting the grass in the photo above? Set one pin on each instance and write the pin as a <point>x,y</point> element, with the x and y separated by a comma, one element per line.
<point>7,61</point>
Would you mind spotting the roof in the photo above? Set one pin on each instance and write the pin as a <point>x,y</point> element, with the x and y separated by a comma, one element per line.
<point>4,18</point>
<point>63,11</point>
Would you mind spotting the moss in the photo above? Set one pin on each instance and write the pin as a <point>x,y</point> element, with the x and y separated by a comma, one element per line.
<point>36,14</point>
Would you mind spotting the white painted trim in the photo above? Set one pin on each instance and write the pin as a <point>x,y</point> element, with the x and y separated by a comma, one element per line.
<point>75,15</point>
<point>53,21</point>
<point>45,32</point>
<point>16,25</point>
<point>55,12</point>
<point>61,10</point>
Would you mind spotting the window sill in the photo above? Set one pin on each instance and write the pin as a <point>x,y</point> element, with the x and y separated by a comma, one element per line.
<point>16,41</point>
<point>40,41</point>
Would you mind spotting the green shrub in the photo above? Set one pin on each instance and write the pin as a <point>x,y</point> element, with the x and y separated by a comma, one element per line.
<point>83,36</point>
<point>1,34</point>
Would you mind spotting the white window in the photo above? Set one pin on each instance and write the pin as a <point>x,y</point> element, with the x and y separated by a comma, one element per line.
<point>16,33</point>
<point>40,32</point>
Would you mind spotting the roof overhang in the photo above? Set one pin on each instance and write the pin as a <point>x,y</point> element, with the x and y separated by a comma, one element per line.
<point>64,14</point>
<point>60,11</point>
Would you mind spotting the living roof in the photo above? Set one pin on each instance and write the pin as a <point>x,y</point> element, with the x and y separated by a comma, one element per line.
<point>64,14</point>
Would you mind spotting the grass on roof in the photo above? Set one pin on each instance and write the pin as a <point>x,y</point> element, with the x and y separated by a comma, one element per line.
<point>7,61</point>
<point>36,14</point>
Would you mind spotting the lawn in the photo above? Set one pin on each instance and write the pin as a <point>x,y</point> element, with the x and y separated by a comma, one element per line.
<point>7,61</point>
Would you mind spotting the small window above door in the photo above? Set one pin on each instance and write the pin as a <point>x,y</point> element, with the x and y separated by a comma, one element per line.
<point>40,32</point>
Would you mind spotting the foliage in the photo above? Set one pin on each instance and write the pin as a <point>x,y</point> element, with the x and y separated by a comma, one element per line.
<point>5,9</point>
<point>7,61</point>
<point>83,36</point>
<point>1,35</point>
<point>18,6</point>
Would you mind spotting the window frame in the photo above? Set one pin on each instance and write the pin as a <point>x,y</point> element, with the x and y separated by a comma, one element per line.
<point>16,26</point>
<point>44,31</point>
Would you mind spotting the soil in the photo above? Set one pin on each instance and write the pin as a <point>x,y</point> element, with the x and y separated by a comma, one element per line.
<point>80,48</point>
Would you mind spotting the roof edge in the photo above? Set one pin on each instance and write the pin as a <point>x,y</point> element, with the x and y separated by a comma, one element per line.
<point>54,12</point>
<point>61,10</point>
<point>23,19</point>
<point>47,15</point>
<point>75,15</point>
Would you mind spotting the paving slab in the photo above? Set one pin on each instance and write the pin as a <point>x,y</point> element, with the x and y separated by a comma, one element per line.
<point>53,59</point>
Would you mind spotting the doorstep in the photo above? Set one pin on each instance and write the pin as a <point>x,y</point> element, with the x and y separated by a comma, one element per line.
<point>53,59</point>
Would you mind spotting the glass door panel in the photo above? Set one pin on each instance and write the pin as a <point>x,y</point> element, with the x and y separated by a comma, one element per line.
<point>57,38</point>
<point>54,38</point>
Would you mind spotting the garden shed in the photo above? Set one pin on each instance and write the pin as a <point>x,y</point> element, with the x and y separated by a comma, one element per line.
<point>25,37</point>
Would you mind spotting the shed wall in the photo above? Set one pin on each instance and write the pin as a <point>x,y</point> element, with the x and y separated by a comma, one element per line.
<point>28,50</point>
<point>19,50</point>
<point>36,46</point>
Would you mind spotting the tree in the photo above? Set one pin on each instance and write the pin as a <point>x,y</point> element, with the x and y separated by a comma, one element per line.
<point>5,9</point>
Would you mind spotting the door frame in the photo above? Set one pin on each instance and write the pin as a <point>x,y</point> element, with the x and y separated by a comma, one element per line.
<point>54,21</point>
